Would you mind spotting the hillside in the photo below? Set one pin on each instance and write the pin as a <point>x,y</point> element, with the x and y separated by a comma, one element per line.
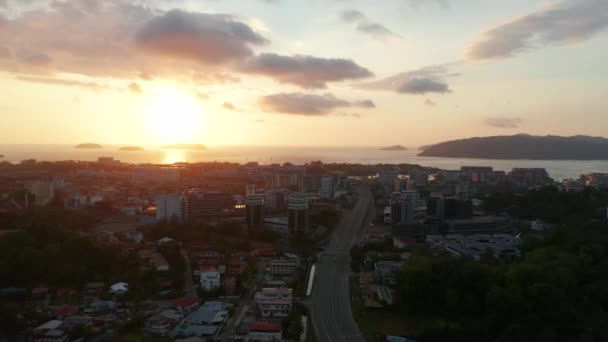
<point>522,146</point>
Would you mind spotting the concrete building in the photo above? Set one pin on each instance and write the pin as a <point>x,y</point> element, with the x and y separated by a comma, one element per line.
<point>327,187</point>
<point>210,280</point>
<point>254,211</point>
<point>275,200</point>
<point>285,178</point>
<point>387,215</point>
<point>43,191</point>
<point>209,203</point>
<point>297,206</point>
<point>526,177</point>
<point>264,332</point>
<point>500,245</point>
<point>477,174</point>
<point>388,177</point>
<point>404,210</point>
<point>273,304</point>
<point>421,178</point>
<point>285,265</point>
<point>156,174</point>
<point>172,207</point>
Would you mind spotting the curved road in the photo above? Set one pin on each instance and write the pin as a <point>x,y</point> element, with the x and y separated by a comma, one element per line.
<point>330,302</point>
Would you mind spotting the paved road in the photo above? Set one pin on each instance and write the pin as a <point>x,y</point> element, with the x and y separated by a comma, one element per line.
<point>330,303</point>
<point>190,291</point>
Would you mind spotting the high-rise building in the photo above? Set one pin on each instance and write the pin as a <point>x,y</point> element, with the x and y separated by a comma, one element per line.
<point>254,211</point>
<point>286,178</point>
<point>327,187</point>
<point>435,206</point>
<point>404,209</point>
<point>172,207</point>
<point>209,203</point>
<point>388,177</point>
<point>156,174</point>
<point>275,200</point>
<point>43,191</point>
<point>421,178</point>
<point>297,206</point>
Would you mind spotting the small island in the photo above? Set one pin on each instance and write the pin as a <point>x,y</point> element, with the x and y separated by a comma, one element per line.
<point>194,147</point>
<point>89,146</point>
<point>394,148</point>
<point>1,155</point>
<point>131,149</point>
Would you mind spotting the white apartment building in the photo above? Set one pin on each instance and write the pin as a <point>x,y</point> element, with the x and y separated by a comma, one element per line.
<point>273,304</point>
<point>172,207</point>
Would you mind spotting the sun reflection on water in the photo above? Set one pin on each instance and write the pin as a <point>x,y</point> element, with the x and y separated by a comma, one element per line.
<point>174,156</point>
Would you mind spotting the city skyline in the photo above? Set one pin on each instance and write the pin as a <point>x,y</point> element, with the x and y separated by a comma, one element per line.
<point>324,73</point>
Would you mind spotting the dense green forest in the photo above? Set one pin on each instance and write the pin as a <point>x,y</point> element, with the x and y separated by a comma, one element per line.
<point>549,204</point>
<point>556,292</point>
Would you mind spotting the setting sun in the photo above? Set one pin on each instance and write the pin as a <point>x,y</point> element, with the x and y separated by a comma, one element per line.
<point>174,117</point>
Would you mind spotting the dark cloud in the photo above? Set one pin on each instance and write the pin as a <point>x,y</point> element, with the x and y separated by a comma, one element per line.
<point>129,40</point>
<point>33,57</point>
<point>230,106</point>
<point>565,22</point>
<point>305,71</point>
<point>504,122</point>
<point>351,16</point>
<point>430,103</point>
<point>375,29</point>
<point>440,3</point>
<point>63,82</point>
<point>365,25</point>
<point>211,78</point>
<point>306,104</point>
<point>135,88</point>
<point>423,86</point>
<point>205,38</point>
<point>80,37</point>
<point>365,104</point>
<point>416,82</point>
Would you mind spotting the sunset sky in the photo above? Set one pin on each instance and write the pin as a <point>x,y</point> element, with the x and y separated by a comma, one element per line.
<point>300,72</point>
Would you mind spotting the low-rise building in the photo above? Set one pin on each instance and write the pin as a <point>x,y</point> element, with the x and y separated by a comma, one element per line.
<point>273,304</point>
<point>477,244</point>
<point>385,271</point>
<point>210,280</point>
<point>264,332</point>
<point>285,265</point>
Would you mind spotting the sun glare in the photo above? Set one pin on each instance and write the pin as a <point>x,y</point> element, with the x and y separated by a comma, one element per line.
<point>174,117</point>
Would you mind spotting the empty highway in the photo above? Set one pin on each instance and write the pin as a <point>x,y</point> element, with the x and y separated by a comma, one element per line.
<point>330,303</point>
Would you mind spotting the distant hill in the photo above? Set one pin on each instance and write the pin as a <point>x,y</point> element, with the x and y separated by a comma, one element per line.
<point>394,148</point>
<point>185,147</point>
<point>88,146</point>
<point>522,146</point>
<point>131,149</point>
